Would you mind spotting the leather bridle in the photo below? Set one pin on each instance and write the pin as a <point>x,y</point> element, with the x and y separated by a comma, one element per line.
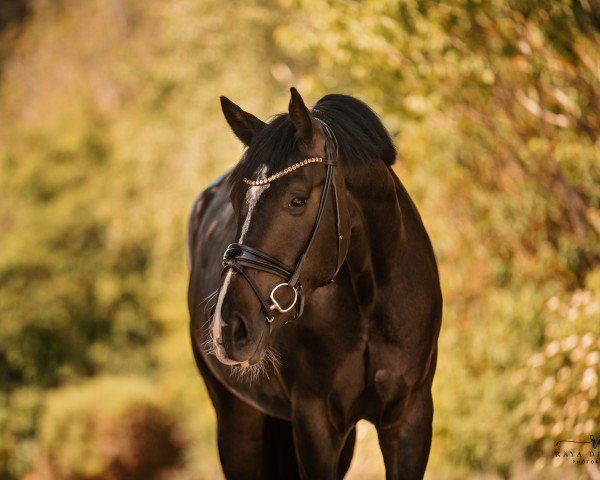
<point>240,257</point>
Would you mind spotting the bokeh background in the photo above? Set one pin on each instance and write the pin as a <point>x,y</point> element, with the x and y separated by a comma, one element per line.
<point>110,125</point>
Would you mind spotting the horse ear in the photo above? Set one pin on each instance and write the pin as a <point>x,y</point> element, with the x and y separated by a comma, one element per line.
<point>244,124</point>
<point>302,118</point>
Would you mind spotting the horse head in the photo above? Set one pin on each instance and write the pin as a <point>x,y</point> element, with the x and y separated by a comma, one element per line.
<point>291,227</point>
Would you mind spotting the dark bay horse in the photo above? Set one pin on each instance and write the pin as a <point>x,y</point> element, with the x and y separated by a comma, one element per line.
<point>325,307</point>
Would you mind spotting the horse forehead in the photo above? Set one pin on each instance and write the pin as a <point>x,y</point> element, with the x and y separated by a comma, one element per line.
<point>254,192</point>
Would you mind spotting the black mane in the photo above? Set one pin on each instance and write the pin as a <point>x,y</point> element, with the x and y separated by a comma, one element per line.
<point>361,136</point>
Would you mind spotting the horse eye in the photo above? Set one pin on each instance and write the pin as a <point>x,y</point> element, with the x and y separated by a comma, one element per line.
<point>297,202</point>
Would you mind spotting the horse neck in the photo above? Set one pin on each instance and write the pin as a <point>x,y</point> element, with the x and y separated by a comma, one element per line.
<point>388,237</point>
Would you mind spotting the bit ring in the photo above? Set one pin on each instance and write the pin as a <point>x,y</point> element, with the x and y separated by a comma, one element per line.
<point>276,305</point>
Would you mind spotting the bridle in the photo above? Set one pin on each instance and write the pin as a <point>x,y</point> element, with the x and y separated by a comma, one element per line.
<point>240,257</point>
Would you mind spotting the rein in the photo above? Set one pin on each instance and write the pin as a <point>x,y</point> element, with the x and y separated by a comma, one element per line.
<point>240,257</point>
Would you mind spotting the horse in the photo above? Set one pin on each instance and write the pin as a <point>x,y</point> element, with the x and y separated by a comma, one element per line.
<point>325,307</point>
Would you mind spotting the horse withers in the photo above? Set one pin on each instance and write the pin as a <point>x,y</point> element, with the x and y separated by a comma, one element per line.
<point>314,297</point>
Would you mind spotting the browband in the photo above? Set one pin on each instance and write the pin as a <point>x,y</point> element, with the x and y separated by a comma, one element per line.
<point>285,171</point>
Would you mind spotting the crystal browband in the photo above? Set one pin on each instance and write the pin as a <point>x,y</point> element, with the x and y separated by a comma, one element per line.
<point>283,172</point>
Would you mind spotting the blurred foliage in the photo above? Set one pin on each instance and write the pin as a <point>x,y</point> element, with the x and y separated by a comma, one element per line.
<point>130,437</point>
<point>564,404</point>
<point>111,124</point>
<point>73,294</point>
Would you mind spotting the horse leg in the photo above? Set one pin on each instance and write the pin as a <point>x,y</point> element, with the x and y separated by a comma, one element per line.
<point>405,443</point>
<point>347,454</point>
<point>318,443</point>
<point>240,439</point>
<point>279,450</point>
<point>253,445</point>
<point>240,429</point>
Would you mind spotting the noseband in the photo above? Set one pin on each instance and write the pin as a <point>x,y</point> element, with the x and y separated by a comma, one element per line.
<point>240,257</point>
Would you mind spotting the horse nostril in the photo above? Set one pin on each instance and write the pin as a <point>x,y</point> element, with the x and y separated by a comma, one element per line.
<point>239,330</point>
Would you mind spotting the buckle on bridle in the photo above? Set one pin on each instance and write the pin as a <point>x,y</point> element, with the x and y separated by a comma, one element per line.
<point>276,305</point>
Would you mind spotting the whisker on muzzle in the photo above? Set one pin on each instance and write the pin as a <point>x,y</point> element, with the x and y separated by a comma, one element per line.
<point>270,362</point>
<point>209,300</point>
<point>208,346</point>
<point>209,305</point>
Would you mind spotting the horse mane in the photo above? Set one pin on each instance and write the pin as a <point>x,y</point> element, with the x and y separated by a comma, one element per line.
<point>361,137</point>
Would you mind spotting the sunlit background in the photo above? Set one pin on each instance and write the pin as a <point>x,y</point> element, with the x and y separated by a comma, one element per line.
<point>110,125</point>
